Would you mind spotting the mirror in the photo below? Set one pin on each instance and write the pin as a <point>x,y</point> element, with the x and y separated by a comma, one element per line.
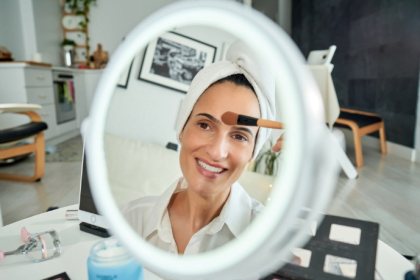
<point>192,195</point>
<point>305,180</point>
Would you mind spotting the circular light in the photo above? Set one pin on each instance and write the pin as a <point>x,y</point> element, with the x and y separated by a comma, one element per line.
<point>306,180</point>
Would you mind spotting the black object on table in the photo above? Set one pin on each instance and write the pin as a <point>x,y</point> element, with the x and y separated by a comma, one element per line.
<point>98,231</point>
<point>172,146</point>
<point>321,245</point>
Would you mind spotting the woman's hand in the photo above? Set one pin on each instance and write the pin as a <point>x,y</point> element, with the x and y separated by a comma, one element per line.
<point>279,145</point>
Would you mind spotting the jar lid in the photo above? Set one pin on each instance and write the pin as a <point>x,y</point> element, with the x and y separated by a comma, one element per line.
<point>109,251</point>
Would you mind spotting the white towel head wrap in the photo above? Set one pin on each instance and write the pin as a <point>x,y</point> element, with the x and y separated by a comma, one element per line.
<point>239,60</point>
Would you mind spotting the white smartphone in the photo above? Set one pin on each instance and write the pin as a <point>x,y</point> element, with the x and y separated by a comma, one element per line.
<point>87,210</point>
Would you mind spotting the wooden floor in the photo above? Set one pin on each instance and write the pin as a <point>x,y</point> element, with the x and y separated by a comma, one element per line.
<point>59,187</point>
<point>387,191</point>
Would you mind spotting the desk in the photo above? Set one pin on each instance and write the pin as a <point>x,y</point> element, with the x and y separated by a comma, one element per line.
<point>76,246</point>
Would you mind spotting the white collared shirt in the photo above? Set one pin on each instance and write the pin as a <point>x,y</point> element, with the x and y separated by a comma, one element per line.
<point>150,219</point>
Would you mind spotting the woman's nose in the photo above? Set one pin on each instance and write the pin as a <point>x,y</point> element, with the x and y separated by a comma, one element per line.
<point>218,148</point>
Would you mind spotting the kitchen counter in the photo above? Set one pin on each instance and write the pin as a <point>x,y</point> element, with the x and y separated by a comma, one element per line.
<point>74,70</point>
<point>24,64</point>
<point>27,82</point>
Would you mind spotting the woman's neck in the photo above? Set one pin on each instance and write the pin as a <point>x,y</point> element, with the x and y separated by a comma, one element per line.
<point>198,211</point>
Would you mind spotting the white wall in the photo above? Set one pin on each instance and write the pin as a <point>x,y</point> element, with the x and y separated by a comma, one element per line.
<point>148,112</point>
<point>47,17</point>
<point>110,20</point>
<point>417,129</point>
<point>284,16</point>
<point>11,35</point>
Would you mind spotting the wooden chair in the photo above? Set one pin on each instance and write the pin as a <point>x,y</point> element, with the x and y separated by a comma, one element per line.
<point>34,129</point>
<point>362,123</point>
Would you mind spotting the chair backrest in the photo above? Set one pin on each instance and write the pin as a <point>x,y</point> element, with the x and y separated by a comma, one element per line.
<point>322,57</point>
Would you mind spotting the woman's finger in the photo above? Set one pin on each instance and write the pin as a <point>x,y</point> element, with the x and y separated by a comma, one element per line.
<point>278,146</point>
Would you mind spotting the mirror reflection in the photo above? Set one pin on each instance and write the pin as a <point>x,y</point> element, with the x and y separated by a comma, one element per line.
<point>185,178</point>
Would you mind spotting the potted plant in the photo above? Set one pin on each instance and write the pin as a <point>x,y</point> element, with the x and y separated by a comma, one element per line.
<point>270,159</point>
<point>68,47</point>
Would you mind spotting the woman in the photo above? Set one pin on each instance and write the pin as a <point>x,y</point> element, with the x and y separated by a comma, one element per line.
<point>207,208</point>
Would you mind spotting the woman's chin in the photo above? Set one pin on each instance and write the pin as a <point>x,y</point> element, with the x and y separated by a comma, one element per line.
<point>204,189</point>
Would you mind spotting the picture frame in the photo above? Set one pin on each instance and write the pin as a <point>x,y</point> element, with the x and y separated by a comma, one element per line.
<point>125,76</point>
<point>172,60</point>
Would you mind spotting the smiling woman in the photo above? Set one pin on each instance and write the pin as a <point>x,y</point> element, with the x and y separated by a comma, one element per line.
<point>207,207</point>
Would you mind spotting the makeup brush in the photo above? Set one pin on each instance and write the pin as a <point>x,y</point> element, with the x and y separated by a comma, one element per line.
<point>231,118</point>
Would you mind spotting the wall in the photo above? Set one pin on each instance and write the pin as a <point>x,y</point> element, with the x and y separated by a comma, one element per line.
<point>377,58</point>
<point>417,137</point>
<point>148,112</point>
<point>279,11</point>
<point>110,21</point>
<point>47,16</point>
<point>284,17</point>
<point>11,35</point>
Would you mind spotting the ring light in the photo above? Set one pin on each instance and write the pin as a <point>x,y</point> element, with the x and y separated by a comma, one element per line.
<point>307,180</point>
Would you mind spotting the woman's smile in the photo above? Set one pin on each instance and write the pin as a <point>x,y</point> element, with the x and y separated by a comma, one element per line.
<point>209,170</point>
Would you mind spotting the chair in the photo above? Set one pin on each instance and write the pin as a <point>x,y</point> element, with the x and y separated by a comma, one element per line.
<point>11,136</point>
<point>362,123</point>
<point>322,57</point>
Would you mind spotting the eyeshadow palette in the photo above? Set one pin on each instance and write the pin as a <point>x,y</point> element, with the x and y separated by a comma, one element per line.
<point>341,248</point>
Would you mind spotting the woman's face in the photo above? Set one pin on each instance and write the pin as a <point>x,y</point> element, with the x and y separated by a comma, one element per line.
<point>213,155</point>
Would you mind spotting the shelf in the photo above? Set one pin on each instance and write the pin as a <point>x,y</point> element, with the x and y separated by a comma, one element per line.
<point>74,30</point>
<point>71,14</point>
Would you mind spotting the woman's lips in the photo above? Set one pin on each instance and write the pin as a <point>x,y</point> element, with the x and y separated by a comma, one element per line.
<point>206,173</point>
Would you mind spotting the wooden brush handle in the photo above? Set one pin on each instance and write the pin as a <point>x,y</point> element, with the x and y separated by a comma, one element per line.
<point>270,124</point>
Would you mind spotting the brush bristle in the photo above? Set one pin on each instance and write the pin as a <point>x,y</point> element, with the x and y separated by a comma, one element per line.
<point>230,118</point>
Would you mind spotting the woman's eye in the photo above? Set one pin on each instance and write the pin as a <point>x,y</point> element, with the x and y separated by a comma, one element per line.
<point>204,126</point>
<point>240,137</point>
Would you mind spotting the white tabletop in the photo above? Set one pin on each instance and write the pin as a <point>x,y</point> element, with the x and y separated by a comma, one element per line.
<point>76,246</point>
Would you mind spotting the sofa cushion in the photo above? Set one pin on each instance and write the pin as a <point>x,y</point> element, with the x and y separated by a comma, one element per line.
<point>137,169</point>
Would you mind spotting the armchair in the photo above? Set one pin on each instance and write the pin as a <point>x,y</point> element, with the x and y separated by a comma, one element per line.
<point>362,123</point>
<point>34,129</point>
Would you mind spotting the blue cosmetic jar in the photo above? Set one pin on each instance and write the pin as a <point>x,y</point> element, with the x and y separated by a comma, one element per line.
<point>109,260</point>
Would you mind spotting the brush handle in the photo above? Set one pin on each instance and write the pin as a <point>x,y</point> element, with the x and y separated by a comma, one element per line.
<point>269,124</point>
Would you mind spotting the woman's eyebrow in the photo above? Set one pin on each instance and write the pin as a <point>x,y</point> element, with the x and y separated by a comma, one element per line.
<point>209,117</point>
<point>218,121</point>
<point>243,129</point>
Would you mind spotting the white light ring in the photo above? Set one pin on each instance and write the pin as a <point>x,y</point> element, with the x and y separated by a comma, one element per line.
<point>212,263</point>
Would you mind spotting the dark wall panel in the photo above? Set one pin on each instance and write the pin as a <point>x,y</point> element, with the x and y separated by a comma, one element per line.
<point>377,58</point>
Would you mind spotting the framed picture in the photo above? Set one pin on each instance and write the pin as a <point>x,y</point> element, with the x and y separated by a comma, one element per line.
<point>123,81</point>
<point>172,60</point>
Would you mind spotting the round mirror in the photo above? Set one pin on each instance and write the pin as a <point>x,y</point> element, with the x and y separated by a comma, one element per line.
<point>139,185</point>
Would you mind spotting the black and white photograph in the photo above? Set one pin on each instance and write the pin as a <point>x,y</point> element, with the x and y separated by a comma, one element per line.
<point>173,60</point>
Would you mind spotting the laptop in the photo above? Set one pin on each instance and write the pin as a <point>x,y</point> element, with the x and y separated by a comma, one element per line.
<point>87,210</point>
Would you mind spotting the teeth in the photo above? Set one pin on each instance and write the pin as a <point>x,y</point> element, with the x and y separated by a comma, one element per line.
<point>210,168</point>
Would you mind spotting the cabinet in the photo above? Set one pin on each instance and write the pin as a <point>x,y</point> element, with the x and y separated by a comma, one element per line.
<point>21,83</point>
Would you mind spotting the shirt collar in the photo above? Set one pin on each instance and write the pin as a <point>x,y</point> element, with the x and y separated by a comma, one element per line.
<point>158,220</point>
<point>236,212</point>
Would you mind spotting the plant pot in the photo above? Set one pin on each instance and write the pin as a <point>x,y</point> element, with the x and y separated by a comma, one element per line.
<point>68,55</point>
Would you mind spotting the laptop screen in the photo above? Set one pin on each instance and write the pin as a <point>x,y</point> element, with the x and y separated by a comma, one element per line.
<point>86,200</point>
